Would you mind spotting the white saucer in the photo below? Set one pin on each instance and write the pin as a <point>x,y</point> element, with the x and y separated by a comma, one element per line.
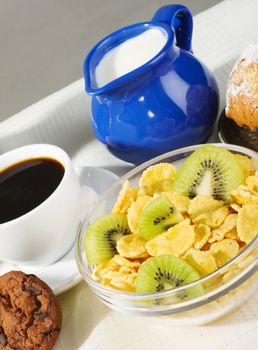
<point>64,274</point>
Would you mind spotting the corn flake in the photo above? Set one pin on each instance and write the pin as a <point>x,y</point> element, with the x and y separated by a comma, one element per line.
<point>176,241</point>
<point>124,282</point>
<point>132,246</point>
<point>203,204</point>
<point>105,270</point>
<point>224,251</point>
<point>203,262</point>
<point>242,195</point>
<point>231,274</point>
<point>252,184</point>
<point>241,265</point>
<point>235,207</point>
<point>180,202</point>
<point>228,225</point>
<point>212,219</point>
<point>122,261</point>
<point>247,223</point>
<point>248,260</point>
<point>157,178</point>
<point>125,198</point>
<point>254,164</point>
<point>135,210</point>
<point>188,252</point>
<point>118,273</point>
<point>202,234</point>
<point>245,163</point>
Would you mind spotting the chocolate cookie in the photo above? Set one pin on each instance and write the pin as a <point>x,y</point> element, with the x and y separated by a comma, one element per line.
<point>30,316</point>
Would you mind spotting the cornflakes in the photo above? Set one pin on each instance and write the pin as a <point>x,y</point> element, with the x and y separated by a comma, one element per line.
<point>211,234</point>
<point>231,274</point>
<point>254,164</point>
<point>189,251</point>
<point>132,247</point>
<point>228,225</point>
<point>202,205</point>
<point>235,207</point>
<point>203,262</point>
<point>252,184</point>
<point>247,222</point>
<point>248,260</point>
<point>175,241</point>
<point>124,282</point>
<point>242,196</point>
<point>245,162</point>
<point>121,261</point>
<point>212,219</point>
<point>241,265</point>
<point>232,234</point>
<point>224,251</point>
<point>105,270</point>
<point>180,202</point>
<point>135,210</point>
<point>125,198</point>
<point>157,178</point>
<point>203,233</point>
<point>118,273</point>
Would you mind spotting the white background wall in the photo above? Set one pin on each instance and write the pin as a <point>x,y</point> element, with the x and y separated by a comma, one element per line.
<point>43,42</point>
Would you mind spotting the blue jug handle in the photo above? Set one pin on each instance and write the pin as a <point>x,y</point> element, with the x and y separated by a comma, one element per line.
<point>181,21</point>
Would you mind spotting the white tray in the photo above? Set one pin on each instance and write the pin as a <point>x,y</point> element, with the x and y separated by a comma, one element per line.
<point>63,119</point>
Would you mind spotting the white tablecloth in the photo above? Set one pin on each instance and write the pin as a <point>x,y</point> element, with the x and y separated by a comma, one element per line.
<point>63,119</point>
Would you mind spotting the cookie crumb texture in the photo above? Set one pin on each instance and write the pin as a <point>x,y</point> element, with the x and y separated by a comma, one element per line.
<point>30,316</point>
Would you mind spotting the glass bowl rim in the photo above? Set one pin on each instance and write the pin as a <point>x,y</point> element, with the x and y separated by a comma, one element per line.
<point>133,296</point>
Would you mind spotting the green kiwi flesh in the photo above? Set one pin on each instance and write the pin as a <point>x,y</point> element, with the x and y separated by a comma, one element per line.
<point>210,170</point>
<point>101,237</point>
<point>157,217</point>
<point>165,272</point>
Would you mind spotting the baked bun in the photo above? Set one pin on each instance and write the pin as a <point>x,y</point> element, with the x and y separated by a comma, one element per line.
<point>242,89</point>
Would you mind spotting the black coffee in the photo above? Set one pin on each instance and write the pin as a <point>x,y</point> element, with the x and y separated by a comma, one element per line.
<point>25,185</point>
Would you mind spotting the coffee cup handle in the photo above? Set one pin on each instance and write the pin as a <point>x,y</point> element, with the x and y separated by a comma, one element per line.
<point>181,21</point>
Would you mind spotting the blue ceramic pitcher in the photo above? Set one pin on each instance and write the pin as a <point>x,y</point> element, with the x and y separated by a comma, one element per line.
<point>168,102</point>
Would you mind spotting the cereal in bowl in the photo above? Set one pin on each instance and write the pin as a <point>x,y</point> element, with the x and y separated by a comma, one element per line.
<point>177,226</point>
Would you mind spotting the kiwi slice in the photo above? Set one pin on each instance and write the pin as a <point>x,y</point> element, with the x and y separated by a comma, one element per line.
<point>101,237</point>
<point>168,272</point>
<point>157,217</point>
<point>210,170</point>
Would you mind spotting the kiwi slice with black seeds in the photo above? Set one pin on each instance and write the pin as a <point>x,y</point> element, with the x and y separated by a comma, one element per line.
<point>101,237</point>
<point>157,217</point>
<point>165,272</point>
<point>210,170</point>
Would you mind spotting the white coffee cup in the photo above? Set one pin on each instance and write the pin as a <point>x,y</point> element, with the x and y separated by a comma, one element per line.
<point>47,232</point>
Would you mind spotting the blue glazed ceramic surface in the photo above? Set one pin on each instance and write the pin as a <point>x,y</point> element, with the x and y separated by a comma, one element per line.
<point>169,102</point>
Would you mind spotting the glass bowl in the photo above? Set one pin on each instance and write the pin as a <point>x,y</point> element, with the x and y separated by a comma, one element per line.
<point>225,289</point>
